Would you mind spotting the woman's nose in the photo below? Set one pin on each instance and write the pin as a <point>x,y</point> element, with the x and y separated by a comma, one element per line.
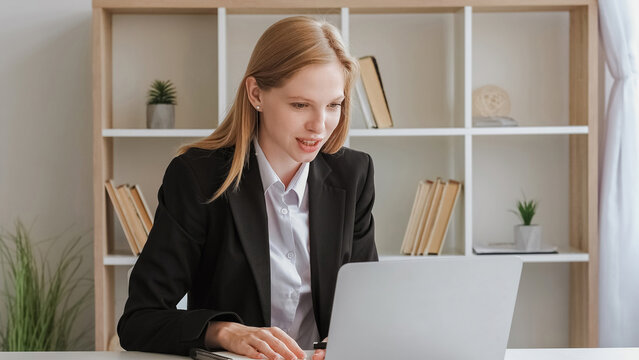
<point>317,122</point>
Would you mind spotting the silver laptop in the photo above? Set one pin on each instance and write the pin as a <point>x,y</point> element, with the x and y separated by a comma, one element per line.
<point>426,308</point>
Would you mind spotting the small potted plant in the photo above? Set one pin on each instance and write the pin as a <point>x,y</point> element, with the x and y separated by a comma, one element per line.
<point>527,235</point>
<point>160,108</point>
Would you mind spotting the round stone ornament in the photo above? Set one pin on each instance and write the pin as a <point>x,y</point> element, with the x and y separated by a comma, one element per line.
<point>490,100</point>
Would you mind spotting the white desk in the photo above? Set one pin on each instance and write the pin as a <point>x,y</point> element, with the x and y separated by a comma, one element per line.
<point>511,354</point>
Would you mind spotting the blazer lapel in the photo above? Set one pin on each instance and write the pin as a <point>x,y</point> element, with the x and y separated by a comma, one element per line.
<point>249,212</point>
<point>326,224</point>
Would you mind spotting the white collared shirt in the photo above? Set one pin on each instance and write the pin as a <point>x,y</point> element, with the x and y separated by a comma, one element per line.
<point>287,212</point>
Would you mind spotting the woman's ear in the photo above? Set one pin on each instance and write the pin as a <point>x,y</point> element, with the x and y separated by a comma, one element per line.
<point>253,91</point>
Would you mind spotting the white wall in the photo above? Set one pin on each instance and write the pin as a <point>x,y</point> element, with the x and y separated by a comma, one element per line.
<point>46,124</point>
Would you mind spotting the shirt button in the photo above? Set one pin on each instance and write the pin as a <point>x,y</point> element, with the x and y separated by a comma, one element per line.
<point>284,211</point>
<point>290,255</point>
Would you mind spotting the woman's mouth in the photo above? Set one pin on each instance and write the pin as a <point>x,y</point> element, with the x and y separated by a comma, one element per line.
<point>309,145</point>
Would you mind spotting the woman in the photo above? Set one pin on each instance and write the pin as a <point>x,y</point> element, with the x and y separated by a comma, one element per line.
<point>255,220</point>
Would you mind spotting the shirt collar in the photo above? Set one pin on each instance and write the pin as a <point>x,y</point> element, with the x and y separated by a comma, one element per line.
<point>269,177</point>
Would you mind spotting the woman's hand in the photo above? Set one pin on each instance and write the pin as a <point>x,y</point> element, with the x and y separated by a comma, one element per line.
<point>320,353</point>
<point>258,343</point>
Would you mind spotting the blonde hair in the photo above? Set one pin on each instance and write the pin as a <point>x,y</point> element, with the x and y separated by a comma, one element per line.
<point>284,49</point>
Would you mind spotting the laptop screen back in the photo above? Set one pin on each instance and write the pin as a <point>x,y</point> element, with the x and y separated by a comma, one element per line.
<point>424,308</point>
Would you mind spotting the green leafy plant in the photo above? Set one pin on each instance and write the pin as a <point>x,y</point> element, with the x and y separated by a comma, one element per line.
<point>526,210</point>
<point>161,92</point>
<point>42,302</point>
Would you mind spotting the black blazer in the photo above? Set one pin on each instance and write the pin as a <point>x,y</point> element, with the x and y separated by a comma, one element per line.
<point>219,253</point>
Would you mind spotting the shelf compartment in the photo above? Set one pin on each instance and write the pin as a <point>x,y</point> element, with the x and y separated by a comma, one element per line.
<point>423,74</point>
<point>178,47</point>
<point>532,50</point>
<point>407,161</point>
<point>507,168</point>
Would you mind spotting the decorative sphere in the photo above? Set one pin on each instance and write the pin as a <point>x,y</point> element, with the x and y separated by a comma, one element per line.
<point>491,100</point>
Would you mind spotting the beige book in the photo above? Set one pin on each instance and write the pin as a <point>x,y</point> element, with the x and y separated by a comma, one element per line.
<point>372,82</point>
<point>132,218</point>
<point>442,220</point>
<point>430,217</point>
<point>423,217</point>
<point>141,208</point>
<point>434,215</point>
<point>113,195</point>
<point>413,220</point>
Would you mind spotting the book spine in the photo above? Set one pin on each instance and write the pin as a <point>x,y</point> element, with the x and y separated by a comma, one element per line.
<point>369,121</point>
<point>458,189</point>
<point>140,209</point>
<point>117,206</point>
<point>411,222</point>
<point>131,216</point>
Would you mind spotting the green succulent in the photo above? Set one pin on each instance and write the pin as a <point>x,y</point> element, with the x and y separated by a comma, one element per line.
<point>162,92</point>
<point>526,210</point>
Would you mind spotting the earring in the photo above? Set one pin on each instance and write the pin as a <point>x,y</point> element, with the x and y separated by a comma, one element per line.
<point>257,107</point>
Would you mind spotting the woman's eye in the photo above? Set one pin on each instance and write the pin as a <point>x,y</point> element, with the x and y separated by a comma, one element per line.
<point>335,106</point>
<point>298,105</point>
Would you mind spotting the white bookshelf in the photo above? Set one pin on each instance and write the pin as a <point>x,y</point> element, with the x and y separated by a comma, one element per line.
<point>431,58</point>
<point>564,255</point>
<point>516,130</point>
<point>120,260</point>
<point>151,133</point>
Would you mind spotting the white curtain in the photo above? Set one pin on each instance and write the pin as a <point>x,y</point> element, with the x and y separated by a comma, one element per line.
<point>619,186</point>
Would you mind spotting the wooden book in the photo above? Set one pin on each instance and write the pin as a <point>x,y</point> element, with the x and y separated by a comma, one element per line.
<point>442,220</point>
<point>113,195</point>
<point>141,208</point>
<point>430,217</point>
<point>423,217</point>
<point>132,218</point>
<point>375,91</point>
<point>413,221</point>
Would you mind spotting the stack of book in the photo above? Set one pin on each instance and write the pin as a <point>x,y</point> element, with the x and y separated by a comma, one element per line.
<point>370,93</point>
<point>133,213</point>
<point>430,216</point>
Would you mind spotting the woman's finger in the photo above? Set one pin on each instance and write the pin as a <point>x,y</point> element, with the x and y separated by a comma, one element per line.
<point>289,342</point>
<point>276,344</point>
<point>319,354</point>
<point>264,348</point>
<point>247,350</point>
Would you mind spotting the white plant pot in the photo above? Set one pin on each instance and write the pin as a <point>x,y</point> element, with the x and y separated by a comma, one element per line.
<point>160,116</point>
<point>527,237</point>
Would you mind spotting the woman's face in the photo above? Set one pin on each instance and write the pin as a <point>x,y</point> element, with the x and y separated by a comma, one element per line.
<point>299,117</point>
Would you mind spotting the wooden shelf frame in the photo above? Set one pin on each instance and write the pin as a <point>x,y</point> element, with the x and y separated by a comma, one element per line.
<point>583,131</point>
